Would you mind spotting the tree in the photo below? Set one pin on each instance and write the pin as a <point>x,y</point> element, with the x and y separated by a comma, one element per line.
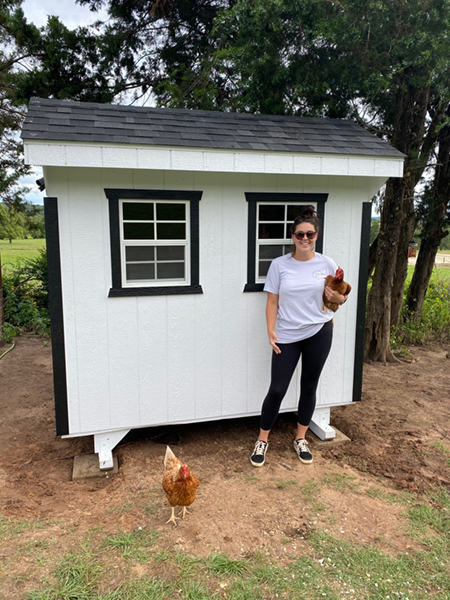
<point>381,63</point>
<point>34,220</point>
<point>12,223</point>
<point>12,167</point>
<point>435,215</point>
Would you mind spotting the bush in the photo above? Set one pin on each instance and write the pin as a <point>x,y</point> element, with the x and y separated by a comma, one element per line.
<point>434,323</point>
<point>25,290</point>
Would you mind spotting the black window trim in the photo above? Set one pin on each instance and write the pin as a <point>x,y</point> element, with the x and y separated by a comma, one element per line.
<point>286,197</point>
<point>114,195</point>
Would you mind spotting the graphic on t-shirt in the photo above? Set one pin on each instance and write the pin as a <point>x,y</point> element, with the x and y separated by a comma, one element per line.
<point>319,274</point>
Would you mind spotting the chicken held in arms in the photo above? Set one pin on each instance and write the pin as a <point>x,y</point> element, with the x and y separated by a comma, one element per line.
<point>337,284</point>
<point>179,484</point>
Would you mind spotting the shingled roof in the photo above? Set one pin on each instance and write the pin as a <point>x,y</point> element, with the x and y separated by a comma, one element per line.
<point>70,121</point>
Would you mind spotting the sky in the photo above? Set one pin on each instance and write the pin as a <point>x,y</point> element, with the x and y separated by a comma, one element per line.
<point>72,15</point>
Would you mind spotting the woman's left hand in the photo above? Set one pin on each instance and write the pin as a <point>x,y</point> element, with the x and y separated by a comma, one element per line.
<point>333,295</point>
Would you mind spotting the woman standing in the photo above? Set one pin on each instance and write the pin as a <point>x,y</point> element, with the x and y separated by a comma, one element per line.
<point>297,326</point>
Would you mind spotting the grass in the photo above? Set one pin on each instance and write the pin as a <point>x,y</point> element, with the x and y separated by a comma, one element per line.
<point>18,250</point>
<point>283,484</point>
<point>133,545</point>
<point>102,567</point>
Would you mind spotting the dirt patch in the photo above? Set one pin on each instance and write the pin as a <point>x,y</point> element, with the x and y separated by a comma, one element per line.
<point>399,433</point>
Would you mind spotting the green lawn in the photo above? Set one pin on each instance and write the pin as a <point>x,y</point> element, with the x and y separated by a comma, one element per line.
<point>18,249</point>
<point>440,273</point>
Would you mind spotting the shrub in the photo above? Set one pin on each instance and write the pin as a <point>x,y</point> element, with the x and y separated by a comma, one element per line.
<point>434,323</point>
<point>25,290</point>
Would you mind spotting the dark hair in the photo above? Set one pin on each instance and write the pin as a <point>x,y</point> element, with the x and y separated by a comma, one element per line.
<point>308,215</point>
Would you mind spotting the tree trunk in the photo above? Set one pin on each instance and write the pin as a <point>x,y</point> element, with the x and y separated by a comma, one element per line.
<point>378,321</point>
<point>397,221</point>
<point>373,255</point>
<point>436,202</point>
<point>423,271</point>
<point>408,219</point>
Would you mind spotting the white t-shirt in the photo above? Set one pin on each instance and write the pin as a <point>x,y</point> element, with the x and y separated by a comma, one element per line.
<point>299,286</point>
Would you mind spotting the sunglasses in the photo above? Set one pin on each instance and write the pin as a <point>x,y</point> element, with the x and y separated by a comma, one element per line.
<point>309,234</point>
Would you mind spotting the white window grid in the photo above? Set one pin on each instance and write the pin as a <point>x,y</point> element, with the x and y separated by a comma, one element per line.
<point>286,242</point>
<point>156,242</point>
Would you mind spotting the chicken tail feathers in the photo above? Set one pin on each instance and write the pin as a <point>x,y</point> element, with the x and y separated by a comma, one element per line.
<point>169,455</point>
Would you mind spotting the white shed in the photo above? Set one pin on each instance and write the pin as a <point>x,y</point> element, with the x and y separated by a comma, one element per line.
<point>161,225</point>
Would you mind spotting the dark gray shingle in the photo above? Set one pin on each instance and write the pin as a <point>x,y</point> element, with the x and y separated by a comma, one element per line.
<point>61,120</point>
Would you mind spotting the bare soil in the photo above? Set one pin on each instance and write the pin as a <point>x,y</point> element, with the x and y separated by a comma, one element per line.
<point>399,433</point>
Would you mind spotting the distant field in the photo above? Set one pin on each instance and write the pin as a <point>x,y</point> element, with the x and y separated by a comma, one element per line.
<point>17,250</point>
<point>441,271</point>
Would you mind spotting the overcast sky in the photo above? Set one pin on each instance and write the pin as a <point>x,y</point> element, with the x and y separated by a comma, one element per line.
<point>70,13</point>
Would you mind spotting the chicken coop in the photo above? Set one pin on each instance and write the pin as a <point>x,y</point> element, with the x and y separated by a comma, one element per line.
<point>161,225</point>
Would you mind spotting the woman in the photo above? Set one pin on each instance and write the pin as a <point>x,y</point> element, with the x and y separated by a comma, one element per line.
<point>297,326</point>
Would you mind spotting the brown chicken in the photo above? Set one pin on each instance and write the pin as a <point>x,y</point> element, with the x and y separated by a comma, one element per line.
<point>338,284</point>
<point>179,484</point>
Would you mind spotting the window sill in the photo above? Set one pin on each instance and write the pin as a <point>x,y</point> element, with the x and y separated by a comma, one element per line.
<point>254,287</point>
<point>175,290</point>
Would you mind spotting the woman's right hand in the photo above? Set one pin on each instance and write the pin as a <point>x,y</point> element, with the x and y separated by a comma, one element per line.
<point>272,341</point>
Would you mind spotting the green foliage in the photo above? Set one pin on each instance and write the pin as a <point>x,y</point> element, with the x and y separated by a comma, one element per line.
<point>34,221</point>
<point>374,229</point>
<point>11,223</point>
<point>25,290</point>
<point>12,166</point>
<point>435,319</point>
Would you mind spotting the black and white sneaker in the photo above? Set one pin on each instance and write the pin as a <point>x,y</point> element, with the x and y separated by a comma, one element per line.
<point>259,453</point>
<point>303,452</point>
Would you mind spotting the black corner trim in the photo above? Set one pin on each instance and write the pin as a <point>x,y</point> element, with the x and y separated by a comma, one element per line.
<point>253,198</point>
<point>361,300</point>
<point>194,198</point>
<point>56,315</point>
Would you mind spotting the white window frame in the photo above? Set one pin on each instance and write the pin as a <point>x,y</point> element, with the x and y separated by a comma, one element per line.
<point>186,243</point>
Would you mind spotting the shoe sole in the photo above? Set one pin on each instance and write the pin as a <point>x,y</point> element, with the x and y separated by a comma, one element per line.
<point>305,462</point>
<point>257,464</point>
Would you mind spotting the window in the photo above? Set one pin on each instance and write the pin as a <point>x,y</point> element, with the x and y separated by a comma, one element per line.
<point>270,217</point>
<point>154,242</point>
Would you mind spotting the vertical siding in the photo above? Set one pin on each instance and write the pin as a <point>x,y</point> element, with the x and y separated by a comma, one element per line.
<point>234,323</point>
<point>139,361</point>
<point>209,305</point>
<point>85,255</point>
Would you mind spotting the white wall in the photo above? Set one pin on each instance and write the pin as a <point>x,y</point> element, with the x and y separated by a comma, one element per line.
<point>141,361</point>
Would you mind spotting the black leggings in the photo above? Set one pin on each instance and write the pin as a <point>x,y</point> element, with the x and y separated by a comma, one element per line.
<point>314,352</point>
